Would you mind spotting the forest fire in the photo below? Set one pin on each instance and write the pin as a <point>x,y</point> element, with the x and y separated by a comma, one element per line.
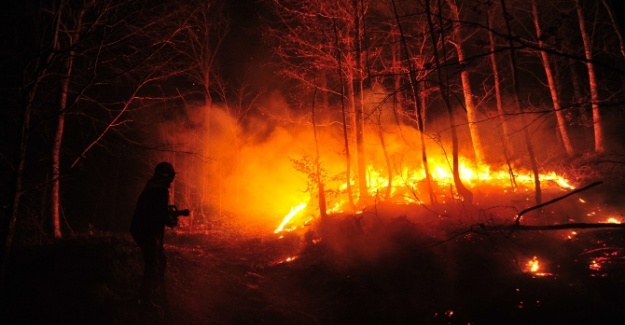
<point>344,162</point>
<point>406,187</point>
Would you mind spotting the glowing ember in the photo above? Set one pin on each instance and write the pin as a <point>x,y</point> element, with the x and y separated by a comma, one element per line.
<point>612,220</point>
<point>286,260</point>
<point>594,265</point>
<point>532,265</point>
<point>572,235</point>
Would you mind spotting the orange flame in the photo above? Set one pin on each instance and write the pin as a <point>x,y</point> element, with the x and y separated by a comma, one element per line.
<point>403,187</point>
<point>289,216</point>
<point>533,265</point>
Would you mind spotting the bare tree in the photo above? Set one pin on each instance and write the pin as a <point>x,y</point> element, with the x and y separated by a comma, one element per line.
<point>315,36</point>
<point>615,26</point>
<point>515,92</point>
<point>507,142</point>
<point>443,86</point>
<point>592,80</point>
<point>417,101</point>
<point>204,26</point>
<point>88,50</point>
<point>551,82</point>
<point>458,39</point>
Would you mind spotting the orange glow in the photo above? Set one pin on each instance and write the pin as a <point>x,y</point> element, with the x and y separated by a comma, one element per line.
<point>533,265</point>
<point>571,235</point>
<point>267,183</point>
<point>406,186</point>
<point>289,216</point>
<point>612,220</point>
<point>535,268</point>
<point>594,265</point>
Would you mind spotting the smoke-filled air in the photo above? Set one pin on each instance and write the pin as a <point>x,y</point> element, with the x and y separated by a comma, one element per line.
<point>312,162</point>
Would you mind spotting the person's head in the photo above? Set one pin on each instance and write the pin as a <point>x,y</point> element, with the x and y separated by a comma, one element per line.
<point>164,170</point>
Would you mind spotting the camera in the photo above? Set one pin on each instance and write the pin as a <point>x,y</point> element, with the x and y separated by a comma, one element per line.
<point>174,212</point>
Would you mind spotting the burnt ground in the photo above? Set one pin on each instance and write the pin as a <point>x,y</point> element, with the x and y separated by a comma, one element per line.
<point>395,274</point>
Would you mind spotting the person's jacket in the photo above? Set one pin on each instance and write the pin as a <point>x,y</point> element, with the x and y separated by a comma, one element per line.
<point>151,213</point>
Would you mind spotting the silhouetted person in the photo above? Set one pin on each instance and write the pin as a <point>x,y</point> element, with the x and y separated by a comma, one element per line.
<point>148,228</point>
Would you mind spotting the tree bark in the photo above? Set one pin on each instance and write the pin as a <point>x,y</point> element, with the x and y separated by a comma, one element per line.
<point>592,81</point>
<point>508,148</point>
<point>442,84</point>
<point>616,27</point>
<point>555,98</point>
<point>467,92</point>
<point>519,108</point>
<point>359,101</point>
<point>318,179</point>
<point>60,126</point>
<point>418,104</point>
<point>344,115</point>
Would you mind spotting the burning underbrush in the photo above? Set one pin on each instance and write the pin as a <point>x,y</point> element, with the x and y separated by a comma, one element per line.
<point>402,272</point>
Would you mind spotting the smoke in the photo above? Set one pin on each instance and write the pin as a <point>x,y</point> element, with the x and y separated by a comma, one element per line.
<point>249,168</point>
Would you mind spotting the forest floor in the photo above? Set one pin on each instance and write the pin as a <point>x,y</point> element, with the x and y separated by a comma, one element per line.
<point>217,279</point>
<point>380,267</point>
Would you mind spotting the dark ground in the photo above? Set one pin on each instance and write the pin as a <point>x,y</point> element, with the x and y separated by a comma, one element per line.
<point>387,276</point>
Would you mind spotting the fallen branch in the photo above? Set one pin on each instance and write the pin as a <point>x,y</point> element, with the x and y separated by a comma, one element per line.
<point>556,227</point>
<point>518,217</point>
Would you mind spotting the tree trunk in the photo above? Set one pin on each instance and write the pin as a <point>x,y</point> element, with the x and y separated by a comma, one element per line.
<point>443,88</point>
<point>519,108</point>
<point>418,104</point>
<point>58,137</point>
<point>467,92</point>
<point>359,102</point>
<point>555,98</point>
<point>578,94</point>
<point>19,174</point>
<point>508,148</point>
<point>616,27</point>
<point>344,114</point>
<point>319,181</point>
<point>592,81</point>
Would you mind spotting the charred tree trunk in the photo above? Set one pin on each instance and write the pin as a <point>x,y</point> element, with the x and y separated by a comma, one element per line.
<point>318,179</point>
<point>517,103</point>
<point>508,148</point>
<point>344,115</point>
<point>592,81</point>
<point>418,108</point>
<point>359,101</point>
<point>578,94</point>
<point>442,84</point>
<point>555,98</point>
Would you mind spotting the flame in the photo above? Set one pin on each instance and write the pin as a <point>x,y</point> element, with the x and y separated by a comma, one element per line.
<point>535,268</point>
<point>404,186</point>
<point>294,211</point>
<point>533,265</point>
